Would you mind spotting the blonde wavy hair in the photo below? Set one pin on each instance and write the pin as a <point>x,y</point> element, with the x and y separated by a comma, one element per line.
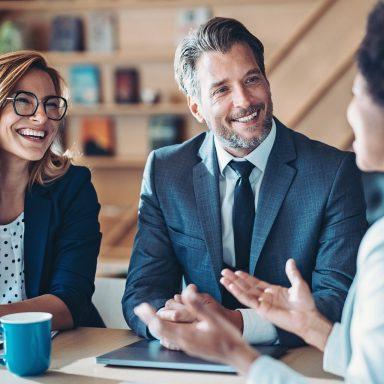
<point>13,66</point>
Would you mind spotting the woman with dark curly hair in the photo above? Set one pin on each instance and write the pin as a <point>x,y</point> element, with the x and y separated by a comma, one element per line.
<point>49,230</point>
<point>353,348</point>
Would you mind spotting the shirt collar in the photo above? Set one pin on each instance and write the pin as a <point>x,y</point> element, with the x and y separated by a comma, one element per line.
<point>258,157</point>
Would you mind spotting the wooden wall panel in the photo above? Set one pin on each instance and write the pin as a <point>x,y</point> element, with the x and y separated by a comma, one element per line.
<point>271,21</point>
<point>327,122</point>
<point>318,53</point>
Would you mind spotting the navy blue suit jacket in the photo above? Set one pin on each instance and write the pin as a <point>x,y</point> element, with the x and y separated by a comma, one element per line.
<point>311,208</point>
<point>62,241</point>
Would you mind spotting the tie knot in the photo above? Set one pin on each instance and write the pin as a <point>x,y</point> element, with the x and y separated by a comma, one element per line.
<point>242,168</point>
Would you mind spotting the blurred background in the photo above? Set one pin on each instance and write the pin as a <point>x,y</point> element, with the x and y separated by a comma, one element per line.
<point>117,59</point>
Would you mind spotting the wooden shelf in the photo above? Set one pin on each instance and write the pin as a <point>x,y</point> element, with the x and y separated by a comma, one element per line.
<point>80,5</point>
<point>117,58</point>
<point>128,109</point>
<point>112,162</point>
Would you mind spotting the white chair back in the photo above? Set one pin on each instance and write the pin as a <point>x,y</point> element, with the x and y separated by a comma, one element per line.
<point>107,299</point>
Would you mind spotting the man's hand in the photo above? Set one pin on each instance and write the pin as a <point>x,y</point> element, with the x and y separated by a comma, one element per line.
<point>175,310</point>
<point>210,336</point>
<point>292,309</point>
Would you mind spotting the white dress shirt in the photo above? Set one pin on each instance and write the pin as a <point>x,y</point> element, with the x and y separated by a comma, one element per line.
<point>255,329</point>
<point>355,347</point>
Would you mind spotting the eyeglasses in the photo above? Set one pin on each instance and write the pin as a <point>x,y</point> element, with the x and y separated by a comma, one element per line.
<point>26,104</point>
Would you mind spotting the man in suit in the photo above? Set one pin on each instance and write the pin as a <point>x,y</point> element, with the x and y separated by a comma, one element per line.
<point>248,194</point>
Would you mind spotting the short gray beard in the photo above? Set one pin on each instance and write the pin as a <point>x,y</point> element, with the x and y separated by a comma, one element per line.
<point>231,139</point>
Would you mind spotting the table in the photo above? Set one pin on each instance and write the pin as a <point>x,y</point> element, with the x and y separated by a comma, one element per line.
<point>73,361</point>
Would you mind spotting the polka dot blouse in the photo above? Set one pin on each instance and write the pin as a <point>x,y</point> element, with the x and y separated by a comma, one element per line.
<point>12,286</point>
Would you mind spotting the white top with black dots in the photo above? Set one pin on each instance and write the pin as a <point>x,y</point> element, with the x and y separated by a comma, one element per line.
<point>12,286</point>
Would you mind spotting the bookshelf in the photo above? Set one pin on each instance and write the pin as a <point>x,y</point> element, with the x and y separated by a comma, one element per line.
<point>131,57</point>
<point>81,5</point>
<point>146,35</point>
<point>153,60</point>
<point>139,109</point>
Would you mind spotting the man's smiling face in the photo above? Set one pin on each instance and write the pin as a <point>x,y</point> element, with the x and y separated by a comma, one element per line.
<point>235,99</point>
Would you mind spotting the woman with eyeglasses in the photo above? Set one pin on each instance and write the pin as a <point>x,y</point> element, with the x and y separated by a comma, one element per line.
<point>49,230</point>
<point>353,348</point>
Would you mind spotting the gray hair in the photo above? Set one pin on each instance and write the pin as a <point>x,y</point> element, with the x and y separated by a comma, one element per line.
<point>218,34</point>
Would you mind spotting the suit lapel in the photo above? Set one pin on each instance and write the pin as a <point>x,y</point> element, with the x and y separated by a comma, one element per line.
<point>275,185</point>
<point>206,189</point>
<point>37,213</point>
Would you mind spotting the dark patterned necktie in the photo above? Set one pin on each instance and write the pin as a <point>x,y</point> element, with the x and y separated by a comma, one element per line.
<point>243,215</point>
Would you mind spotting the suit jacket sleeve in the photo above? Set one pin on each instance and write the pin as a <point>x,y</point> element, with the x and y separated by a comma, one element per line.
<point>344,225</point>
<point>154,273</point>
<point>77,246</point>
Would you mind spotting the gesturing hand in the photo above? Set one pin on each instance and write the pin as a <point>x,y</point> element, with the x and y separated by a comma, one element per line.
<point>176,311</point>
<point>292,309</point>
<point>211,336</point>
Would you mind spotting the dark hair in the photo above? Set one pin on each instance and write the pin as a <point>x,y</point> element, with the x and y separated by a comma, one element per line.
<point>370,56</point>
<point>218,34</point>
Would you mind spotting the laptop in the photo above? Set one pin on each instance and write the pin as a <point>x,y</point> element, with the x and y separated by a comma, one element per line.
<point>151,354</point>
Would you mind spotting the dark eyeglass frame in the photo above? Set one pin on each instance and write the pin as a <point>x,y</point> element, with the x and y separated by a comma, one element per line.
<point>44,101</point>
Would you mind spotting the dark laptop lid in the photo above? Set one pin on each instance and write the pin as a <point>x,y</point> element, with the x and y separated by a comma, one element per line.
<point>151,354</point>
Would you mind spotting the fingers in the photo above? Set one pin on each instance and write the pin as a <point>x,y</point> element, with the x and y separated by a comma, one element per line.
<point>195,302</point>
<point>240,283</point>
<point>148,315</point>
<point>232,277</point>
<point>247,289</point>
<point>192,288</point>
<point>243,279</point>
<point>167,344</point>
<point>181,315</point>
<point>173,304</point>
<point>163,330</point>
<point>266,307</point>
<point>293,273</point>
<point>145,312</point>
<point>251,281</point>
<point>177,298</point>
<point>245,297</point>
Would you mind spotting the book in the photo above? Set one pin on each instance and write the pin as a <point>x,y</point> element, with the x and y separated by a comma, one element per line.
<point>67,34</point>
<point>101,32</point>
<point>164,130</point>
<point>98,136</point>
<point>84,84</point>
<point>126,85</point>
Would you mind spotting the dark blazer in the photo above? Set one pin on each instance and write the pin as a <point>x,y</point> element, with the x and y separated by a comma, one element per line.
<point>62,241</point>
<point>311,207</point>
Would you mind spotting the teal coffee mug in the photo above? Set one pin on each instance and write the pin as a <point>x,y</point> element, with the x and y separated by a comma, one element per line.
<point>27,342</point>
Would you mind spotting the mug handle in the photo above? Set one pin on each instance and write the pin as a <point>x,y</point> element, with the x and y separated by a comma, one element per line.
<point>2,357</point>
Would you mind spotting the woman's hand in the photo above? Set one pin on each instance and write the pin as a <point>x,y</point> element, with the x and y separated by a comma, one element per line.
<point>211,336</point>
<point>292,309</point>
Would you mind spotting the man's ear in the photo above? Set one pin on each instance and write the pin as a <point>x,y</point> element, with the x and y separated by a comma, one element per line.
<point>195,108</point>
